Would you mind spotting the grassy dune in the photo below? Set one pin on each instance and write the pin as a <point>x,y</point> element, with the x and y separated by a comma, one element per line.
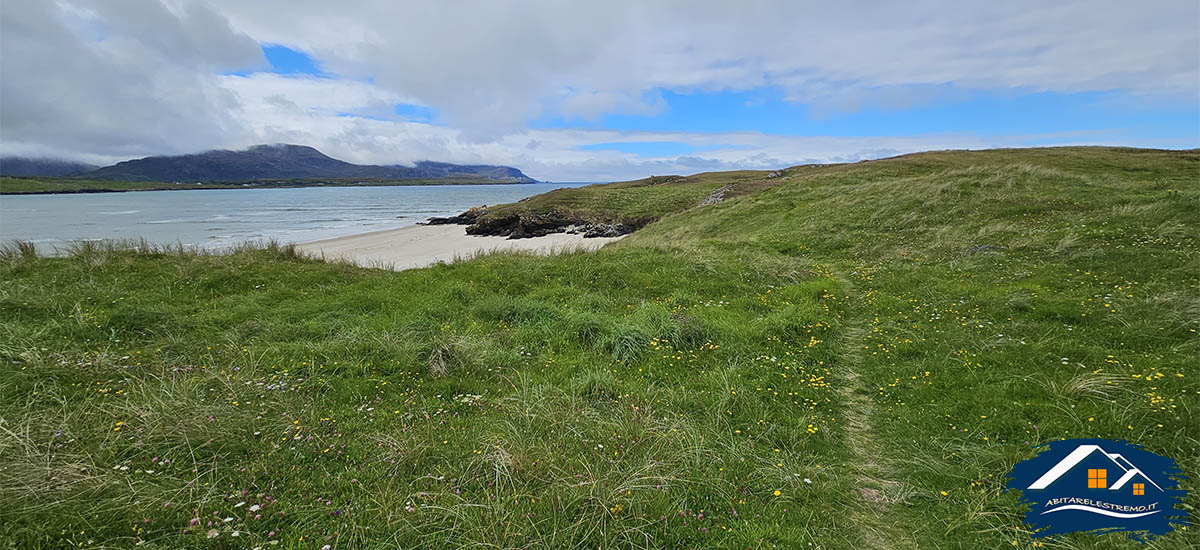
<point>644,199</point>
<point>848,356</point>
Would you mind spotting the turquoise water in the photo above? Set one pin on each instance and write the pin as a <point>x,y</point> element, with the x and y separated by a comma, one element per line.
<point>217,218</point>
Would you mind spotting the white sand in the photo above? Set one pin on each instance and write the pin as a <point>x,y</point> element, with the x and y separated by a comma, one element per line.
<point>425,245</point>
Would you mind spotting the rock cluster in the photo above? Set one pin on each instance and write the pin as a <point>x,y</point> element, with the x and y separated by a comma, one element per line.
<point>466,218</point>
<point>716,196</point>
<point>536,224</point>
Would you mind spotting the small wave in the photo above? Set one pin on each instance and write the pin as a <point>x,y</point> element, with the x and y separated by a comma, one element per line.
<point>1100,511</point>
<point>119,213</point>
<point>210,220</point>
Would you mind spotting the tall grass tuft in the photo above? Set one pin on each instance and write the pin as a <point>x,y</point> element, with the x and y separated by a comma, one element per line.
<point>18,250</point>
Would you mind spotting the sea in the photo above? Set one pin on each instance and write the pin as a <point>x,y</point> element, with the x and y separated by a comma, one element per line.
<point>219,218</point>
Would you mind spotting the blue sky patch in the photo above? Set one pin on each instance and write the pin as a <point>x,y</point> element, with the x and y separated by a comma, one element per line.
<point>285,60</point>
<point>1103,117</point>
<point>927,110</point>
<point>415,113</point>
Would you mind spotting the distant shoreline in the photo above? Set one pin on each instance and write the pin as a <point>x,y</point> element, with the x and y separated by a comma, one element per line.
<point>156,186</point>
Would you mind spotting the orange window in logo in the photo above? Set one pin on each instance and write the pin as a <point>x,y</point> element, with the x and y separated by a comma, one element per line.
<point>1097,479</point>
<point>1139,488</point>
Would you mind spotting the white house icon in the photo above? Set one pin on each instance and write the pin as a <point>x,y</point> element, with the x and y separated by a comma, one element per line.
<point>1129,471</point>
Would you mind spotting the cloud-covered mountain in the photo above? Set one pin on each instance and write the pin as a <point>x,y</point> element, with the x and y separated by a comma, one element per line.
<point>21,166</point>
<point>285,161</point>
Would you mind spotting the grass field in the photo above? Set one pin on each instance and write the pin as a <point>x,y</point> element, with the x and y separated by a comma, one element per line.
<point>638,200</point>
<point>847,356</point>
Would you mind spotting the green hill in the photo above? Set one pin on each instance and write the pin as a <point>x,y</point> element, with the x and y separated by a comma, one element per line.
<point>840,356</point>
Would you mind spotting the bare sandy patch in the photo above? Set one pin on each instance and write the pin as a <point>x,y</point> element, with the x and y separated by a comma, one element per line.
<point>425,245</point>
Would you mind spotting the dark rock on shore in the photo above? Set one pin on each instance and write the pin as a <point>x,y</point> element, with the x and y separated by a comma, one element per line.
<point>537,224</point>
<point>466,218</point>
<point>522,226</point>
<point>606,230</point>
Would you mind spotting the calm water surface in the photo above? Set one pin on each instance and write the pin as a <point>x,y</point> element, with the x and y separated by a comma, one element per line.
<point>216,218</point>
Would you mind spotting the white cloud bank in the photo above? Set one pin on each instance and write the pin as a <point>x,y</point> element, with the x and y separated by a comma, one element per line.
<point>110,80</point>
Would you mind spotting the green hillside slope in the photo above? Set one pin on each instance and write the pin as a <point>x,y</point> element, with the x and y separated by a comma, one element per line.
<point>845,356</point>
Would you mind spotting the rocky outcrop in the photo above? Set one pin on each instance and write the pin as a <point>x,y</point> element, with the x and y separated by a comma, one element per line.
<point>716,196</point>
<point>521,226</point>
<point>603,229</point>
<point>524,225</point>
<point>466,218</point>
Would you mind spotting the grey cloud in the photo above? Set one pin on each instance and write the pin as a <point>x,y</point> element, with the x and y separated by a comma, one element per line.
<point>498,64</point>
<point>124,78</point>
<point>192,35</point>
<point>116,78</point>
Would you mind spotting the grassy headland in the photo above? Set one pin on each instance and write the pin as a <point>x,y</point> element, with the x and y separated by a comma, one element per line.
<point>847,356</point>
<point>29,185</point>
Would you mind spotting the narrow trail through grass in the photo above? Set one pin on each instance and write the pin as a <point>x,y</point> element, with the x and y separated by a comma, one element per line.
<point>869,459</point>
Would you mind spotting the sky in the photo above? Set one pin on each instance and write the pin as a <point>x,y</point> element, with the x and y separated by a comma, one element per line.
<point>594,91</point>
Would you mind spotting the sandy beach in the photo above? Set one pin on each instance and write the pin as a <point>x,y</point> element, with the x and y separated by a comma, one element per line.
<point>425,245</point>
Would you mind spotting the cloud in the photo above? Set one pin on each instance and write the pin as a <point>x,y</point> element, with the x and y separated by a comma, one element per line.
<point>309,115</point>
<point>497,64</point>
<point>273,92</point>
<point>110,80</point>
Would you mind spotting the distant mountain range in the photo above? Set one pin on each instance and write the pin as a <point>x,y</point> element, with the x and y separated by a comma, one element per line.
<point>261,162</point>
<point>19,166</point>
